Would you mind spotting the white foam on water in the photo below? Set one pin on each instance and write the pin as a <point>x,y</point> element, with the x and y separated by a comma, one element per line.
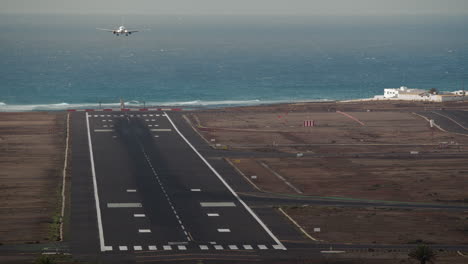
<point>137,104</point>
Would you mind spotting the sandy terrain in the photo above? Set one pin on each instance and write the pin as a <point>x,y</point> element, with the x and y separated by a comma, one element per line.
<point>382,225</point>
<point>388,128</point>
<point>334,132</point>
<point>416,180</point>
<point>31,162</point>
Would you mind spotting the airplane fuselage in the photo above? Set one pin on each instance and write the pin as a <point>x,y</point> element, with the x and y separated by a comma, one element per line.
<point>122,30</point>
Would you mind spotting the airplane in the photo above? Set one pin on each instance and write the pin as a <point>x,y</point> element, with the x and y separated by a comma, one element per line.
<point>119,31</point>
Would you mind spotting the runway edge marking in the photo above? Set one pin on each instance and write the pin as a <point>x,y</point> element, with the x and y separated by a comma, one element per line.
<point>96,195</point>
<point>260,222</point>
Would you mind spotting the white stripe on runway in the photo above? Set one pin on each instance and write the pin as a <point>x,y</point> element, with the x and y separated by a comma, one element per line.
<point>182,247</point>
<point>248,247</point>
<point>233,247</point>
<point>144,231</point>
<point>195,190</point>
<point>123,248</point>
<point>218,247</point>
<point>139,215</point>
<point>96,195</point>
<point>167,247</point>
<point>152,248</point>
<point>213,214</point>
<point>203,247</point>
<point>137,248</point>
<point>161,129</point>
<point>123,205</point>
<point>131,190</point>
<point>220,204</point>
<point>103,130</point>
<point>224,230</point>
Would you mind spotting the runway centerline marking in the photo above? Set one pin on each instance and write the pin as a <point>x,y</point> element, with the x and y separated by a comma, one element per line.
<point>144,231</point>
<point>217,204</point>
<point>139,215</point>
<point>131,190</point>
<point>103,130</point>
<point>195,190</point>
<point>96,195</point>
<point>224,230</point>
<point>161,185</point>
<point>252,213</point>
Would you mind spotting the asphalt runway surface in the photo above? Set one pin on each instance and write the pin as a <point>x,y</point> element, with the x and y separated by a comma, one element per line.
<point>160,200</point>
<point>152,191</point>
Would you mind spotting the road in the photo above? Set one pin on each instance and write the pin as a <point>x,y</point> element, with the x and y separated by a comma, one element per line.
<point>153,191</point>
<point>455,121</point>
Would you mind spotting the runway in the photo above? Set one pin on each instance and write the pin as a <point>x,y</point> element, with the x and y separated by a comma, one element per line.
<point>153,191</point>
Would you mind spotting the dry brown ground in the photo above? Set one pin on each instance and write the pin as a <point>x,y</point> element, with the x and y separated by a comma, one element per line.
<point>382,225</point>
<point>333,133</point>
<point>31,161</point>
<point>416,180</point>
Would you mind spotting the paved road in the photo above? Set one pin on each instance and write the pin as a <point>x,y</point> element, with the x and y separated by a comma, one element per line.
<point>154,191</point>
<point>455,121</point>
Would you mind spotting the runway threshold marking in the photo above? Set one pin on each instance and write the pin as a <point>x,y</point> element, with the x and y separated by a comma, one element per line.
<point>124,205</point>
<point>96,195</point>
<point>137,248</point>
<point>217,204</point>
<point>252,213</point>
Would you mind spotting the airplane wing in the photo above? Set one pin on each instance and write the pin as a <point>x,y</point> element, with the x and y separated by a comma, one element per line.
<point>131,31</point>
<point>104,29</point>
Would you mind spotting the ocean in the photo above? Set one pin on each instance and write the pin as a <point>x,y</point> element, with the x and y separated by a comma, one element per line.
<point>54,62</point>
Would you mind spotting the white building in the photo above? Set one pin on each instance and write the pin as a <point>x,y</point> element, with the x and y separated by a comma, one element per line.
<point>405,93</point>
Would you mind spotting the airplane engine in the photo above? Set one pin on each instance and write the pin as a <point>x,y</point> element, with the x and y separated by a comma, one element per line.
<point>129,33</point>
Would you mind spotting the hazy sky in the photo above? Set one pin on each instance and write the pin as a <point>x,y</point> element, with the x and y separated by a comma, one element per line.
<point>248,7</point>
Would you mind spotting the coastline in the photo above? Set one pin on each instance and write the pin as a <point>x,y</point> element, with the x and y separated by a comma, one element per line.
<point>205,105</point>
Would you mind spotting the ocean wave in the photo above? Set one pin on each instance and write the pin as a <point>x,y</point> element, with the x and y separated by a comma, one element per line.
<point>137,104</point>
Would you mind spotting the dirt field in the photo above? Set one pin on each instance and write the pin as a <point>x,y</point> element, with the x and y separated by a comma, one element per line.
<point>31,162</point>
<point>382,225</point>
<point>353,132</point>
<point>416,180</point>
